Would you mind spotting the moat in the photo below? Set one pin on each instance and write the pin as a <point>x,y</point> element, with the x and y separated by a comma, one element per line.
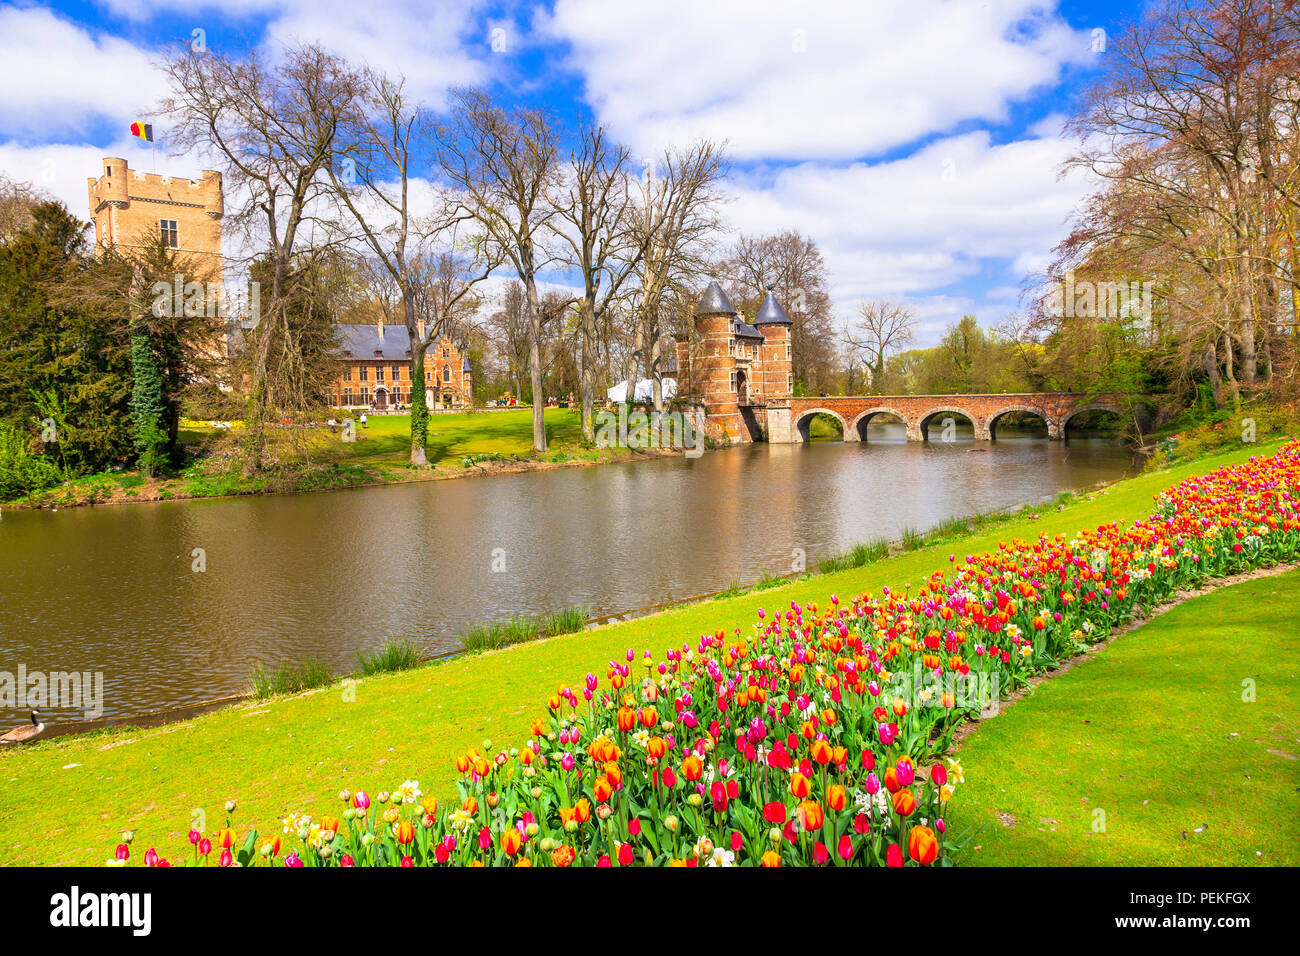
<point>116,590</point>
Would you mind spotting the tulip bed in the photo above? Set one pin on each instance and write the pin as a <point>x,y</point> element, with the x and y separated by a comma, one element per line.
<point>814,739</point>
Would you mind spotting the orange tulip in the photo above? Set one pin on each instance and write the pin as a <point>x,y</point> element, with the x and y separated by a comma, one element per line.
<point>836,797</point>
<point>511,841</point>
<point>692,768</point>
<point>922,846</point>
<point>770,858</point>
<point>562,857</point>
<point>800,786</point>
<point>404,831</point>
<point>904,802</point>
<point>811,815</point>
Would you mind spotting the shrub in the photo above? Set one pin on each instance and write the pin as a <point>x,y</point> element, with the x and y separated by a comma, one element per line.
<point>21,471</point>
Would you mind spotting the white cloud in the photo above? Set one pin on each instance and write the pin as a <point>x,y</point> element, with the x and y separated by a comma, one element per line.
<point>56,76</point>
<point>434,45</point>
<point>805,79</point>
<point>924,227</point>
<point>61,169</point>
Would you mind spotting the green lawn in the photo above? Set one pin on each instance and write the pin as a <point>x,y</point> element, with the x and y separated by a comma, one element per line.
<point>66,799</point>
<point>386,439</point>
<point>1120,760</point>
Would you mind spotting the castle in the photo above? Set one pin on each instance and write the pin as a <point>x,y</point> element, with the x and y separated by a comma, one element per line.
<point>741,372</point>
<point>130,208</point>
<point>375,369</point>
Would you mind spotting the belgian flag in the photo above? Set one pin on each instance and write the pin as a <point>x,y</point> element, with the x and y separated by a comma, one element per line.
<point>143,131</point>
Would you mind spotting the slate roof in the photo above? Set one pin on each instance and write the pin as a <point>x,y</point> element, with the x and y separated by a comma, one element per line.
<point>364,342</point>
<point>770,312</point>
<point>745,331</point>
<point>714,301</point>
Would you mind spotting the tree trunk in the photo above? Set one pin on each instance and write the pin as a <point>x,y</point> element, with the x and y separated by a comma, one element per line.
<point>1248,359</point>
<point>587,374</point>
<point>535,363</point>
<point>1229,369</point>
<point>419,406</point>
<point>1211,361</point>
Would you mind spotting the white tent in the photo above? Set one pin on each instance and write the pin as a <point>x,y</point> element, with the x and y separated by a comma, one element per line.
<point>644,390</point>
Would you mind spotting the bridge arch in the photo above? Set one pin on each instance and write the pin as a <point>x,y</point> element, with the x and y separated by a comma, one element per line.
<point>923,422</point>
<point>803,424</point>
<point>859,424</point>
<point>1091,407</point>
<point>1023,409</point>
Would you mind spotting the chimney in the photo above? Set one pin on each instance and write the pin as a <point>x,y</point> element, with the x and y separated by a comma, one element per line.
<point>379,327</point>
<point>419,326</point>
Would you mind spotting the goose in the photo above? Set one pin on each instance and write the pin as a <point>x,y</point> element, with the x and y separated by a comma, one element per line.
<point>24,734</point>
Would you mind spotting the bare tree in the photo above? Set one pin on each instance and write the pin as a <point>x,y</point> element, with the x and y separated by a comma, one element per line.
<point>677,220</point>
<point>1192,130</point>
<point>374,185</point>
<point>793,265</point>
<point>504,169</point>
<point>276,131</point>
<point>883,328</point>
<point>17,200</point>
<point>593,207</point>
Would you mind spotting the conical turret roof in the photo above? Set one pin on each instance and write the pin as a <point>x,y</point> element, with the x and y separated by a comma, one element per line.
<point>714,302</point>
<point>770,312</point>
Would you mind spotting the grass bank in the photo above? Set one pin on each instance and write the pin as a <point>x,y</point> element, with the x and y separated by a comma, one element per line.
<point>314,458</point>
<point>1152,752</point>
<point>66,799</point>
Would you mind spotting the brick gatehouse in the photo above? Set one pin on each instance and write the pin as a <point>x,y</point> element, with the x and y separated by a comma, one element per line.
<point>741,372</point>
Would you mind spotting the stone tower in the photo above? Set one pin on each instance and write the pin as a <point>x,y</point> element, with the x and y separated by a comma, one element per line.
<point>130,209</point>
<point>714,366</point>
<point>778,375</point>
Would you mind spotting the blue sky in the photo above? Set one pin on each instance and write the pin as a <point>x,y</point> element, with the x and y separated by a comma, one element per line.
<point>918,142</point>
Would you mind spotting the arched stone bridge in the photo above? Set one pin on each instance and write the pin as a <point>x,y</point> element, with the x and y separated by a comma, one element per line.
<point>920,411</point>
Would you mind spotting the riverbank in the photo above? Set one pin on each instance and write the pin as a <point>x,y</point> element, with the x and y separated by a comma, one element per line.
<point>293,753</point>
<point>464,445</point>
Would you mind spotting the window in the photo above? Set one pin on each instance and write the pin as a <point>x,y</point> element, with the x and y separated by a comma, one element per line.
<point>733,381</point>
<point>347,396</point>
<point>365,375</point>
<point>446,352</point>
<point>446,373</point>
<point>347,373</point>
<point>787,353</point>
<point>789,381</point>
<point>170,234</point>
<point>428,376</point>
<point>397,372</point>
<point>365,396</point>
<point>379,373</point>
